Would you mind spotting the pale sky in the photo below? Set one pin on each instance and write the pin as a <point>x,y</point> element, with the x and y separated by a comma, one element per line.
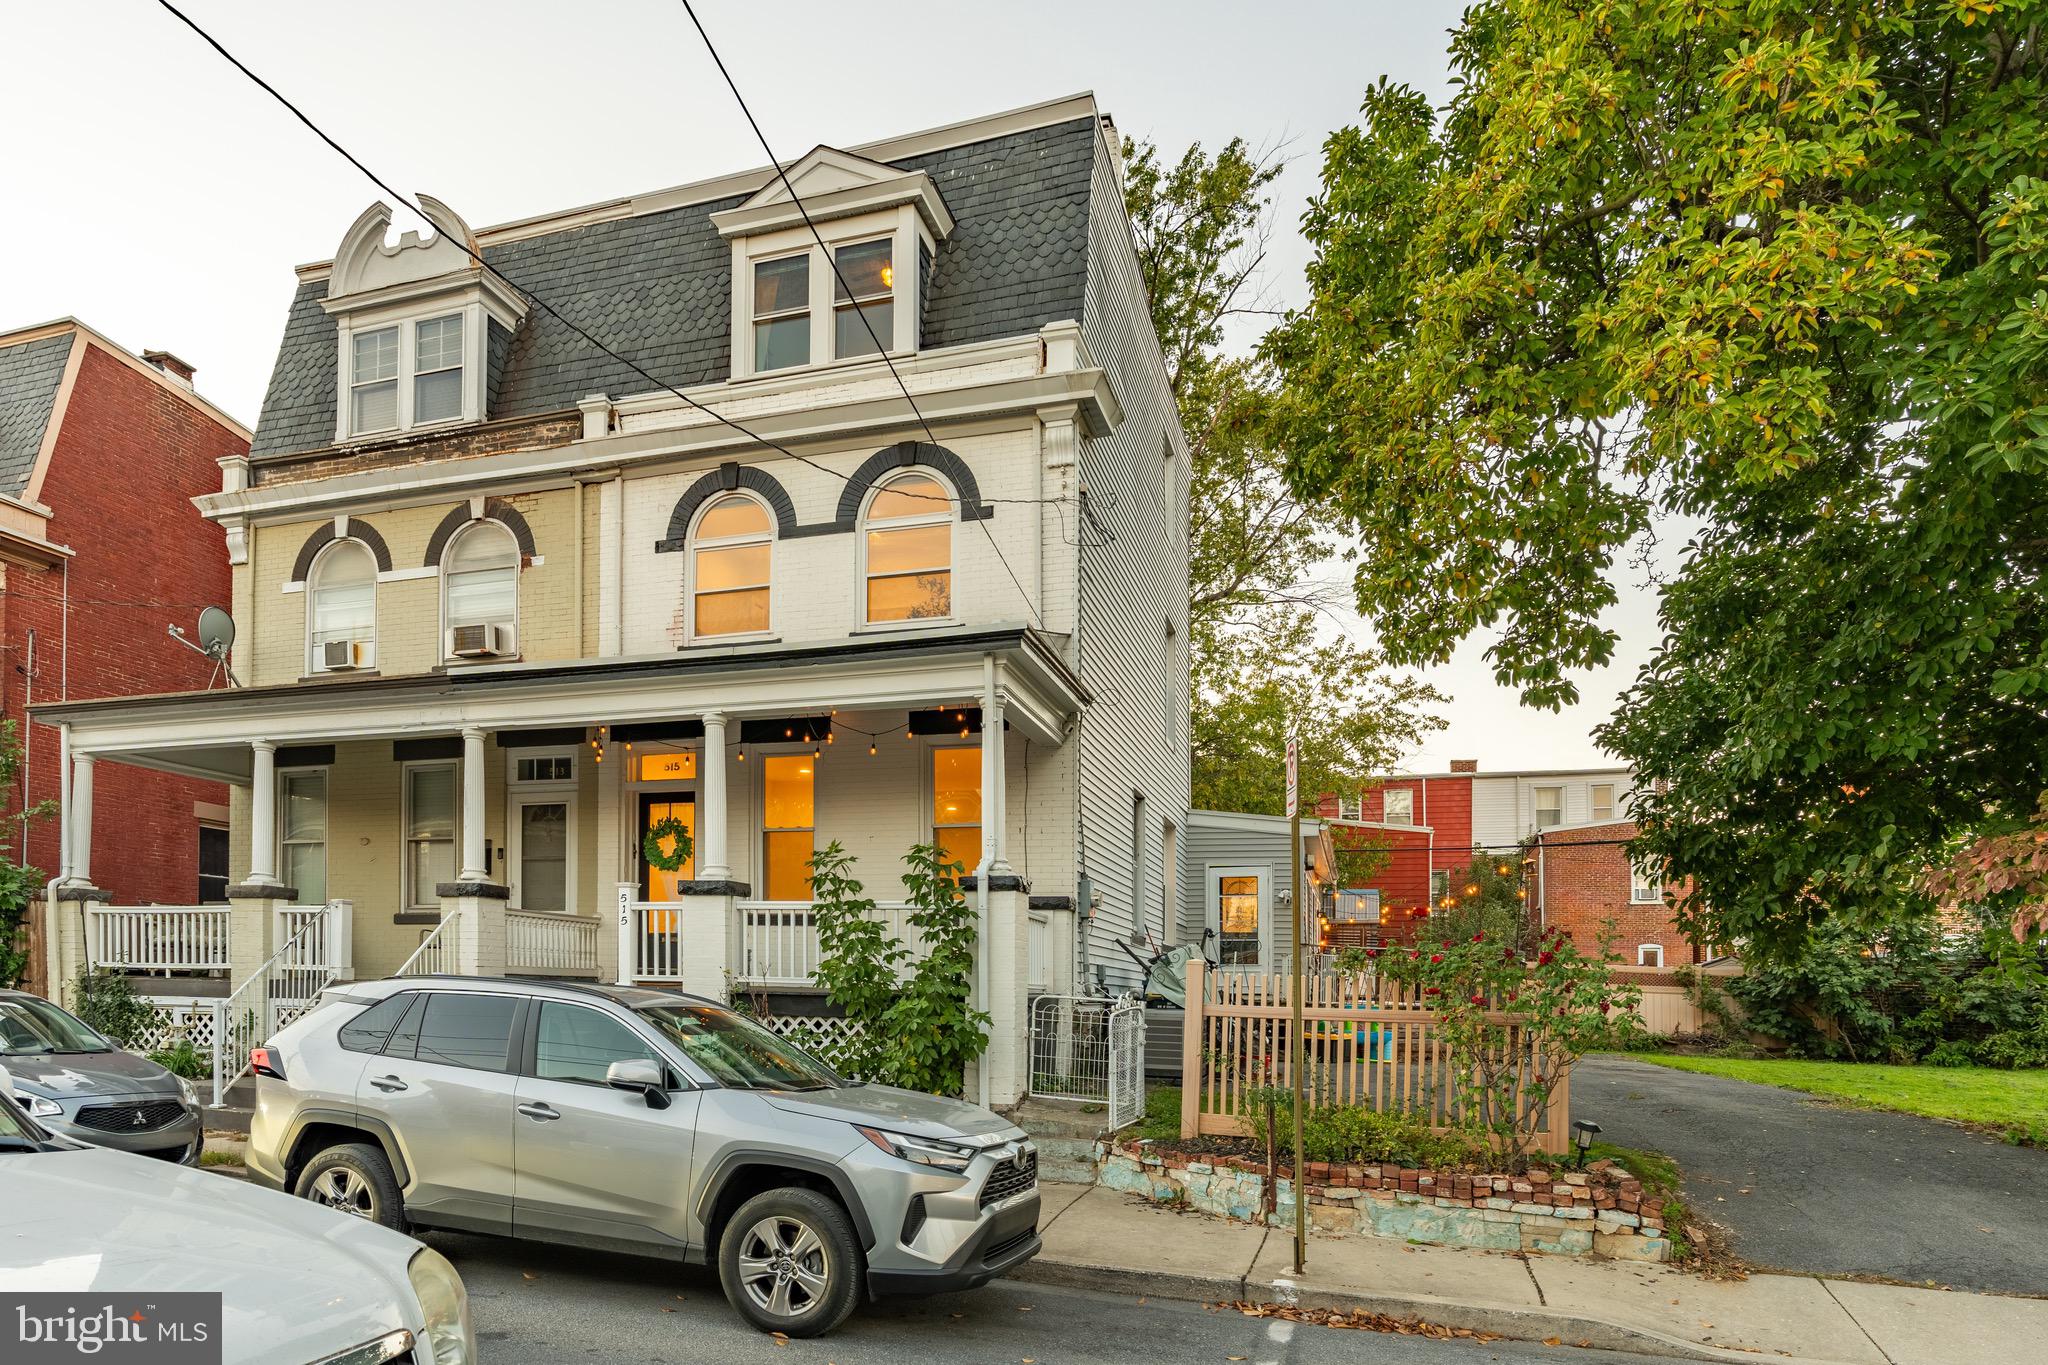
<point>157,195</point>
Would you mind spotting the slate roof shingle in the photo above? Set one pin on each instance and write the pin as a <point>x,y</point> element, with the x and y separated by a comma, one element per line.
<point>30,373</point>
<point>657,287</point>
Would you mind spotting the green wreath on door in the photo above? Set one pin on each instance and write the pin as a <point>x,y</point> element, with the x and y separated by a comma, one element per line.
<point>667,827</point>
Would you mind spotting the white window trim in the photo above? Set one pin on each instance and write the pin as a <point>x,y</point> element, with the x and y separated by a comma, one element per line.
<point>1593,802</point>
<point>944,515</point>
<point>541,784</point>
<point>1387,816</point>
<point>1212,909</point>
<point>692,544</point>
<point>901,224</point>
<point>928,791</point>
<point>1638,883</point>
<point>312,580</point>
<point>1536,808</point>
<point>1643,952</point>
<point>1350,807</point>
<point>541,794</point>
<point>448,553</point>
<point>761,753</point>
<point>406,318</point>
<point>326,822</point>
<point>406,903</point>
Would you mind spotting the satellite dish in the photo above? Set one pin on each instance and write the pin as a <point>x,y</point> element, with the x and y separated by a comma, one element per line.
<point>216,631</point>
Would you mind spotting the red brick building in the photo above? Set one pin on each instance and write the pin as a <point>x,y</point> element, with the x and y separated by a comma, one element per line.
<point>1584,880</point>
<point>101,550</point>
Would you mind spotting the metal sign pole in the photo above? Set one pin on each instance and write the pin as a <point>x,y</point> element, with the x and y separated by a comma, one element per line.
<point>1296,1045</point>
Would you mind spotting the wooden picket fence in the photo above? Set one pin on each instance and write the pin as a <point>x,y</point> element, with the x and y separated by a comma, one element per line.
<point>1368,1040</point>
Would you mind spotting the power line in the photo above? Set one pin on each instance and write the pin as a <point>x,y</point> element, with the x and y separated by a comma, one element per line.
<point>540,302</point>
<point>832,260</point>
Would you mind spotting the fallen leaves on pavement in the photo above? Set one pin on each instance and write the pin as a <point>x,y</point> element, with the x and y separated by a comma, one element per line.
<point>1357,1318</point>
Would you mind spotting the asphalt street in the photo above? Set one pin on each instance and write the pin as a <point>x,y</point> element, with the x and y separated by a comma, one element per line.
<point>538,1305</point>
<point>1802,1184</point>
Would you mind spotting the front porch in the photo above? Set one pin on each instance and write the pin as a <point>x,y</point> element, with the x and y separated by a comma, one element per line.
<point>493,821</point>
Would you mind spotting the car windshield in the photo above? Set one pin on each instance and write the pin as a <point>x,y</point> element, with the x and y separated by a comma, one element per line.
<point>29,1025</point>
<point>738,1052</point>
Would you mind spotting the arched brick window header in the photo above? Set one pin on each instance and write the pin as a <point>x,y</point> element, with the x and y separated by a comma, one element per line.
<point>495,509</point>
<point>727,478</point>
<point>355,528</point>
<point>909,455</point>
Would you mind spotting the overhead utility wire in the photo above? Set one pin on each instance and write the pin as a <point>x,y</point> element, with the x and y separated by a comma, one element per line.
<point>540,302</point>
<point>832,260</point>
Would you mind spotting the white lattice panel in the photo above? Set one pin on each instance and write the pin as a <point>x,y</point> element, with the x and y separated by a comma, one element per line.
<point>175,1019</point>
<point>830,1040</point>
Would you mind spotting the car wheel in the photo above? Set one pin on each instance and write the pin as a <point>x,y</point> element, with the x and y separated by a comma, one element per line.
<point>355,1179</point>
<point>790,1264</point>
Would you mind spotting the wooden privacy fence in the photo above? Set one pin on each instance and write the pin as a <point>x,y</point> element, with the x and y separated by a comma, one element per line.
<point>1367,1041</point>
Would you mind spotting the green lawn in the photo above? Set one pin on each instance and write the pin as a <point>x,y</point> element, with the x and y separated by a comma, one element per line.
<point>2015,1102</point>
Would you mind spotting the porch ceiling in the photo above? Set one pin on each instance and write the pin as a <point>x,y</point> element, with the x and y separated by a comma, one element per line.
<point>206,734</point>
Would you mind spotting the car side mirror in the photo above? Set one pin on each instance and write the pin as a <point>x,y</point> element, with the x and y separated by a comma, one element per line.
<point>643,1075</point>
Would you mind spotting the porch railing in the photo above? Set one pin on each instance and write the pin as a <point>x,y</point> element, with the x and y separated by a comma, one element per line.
<point>657,942</point>
<point>436,953</point>
<point>149,938</point>
<point>779,940</point>
<point>542,942</point>
<point>276,993</point>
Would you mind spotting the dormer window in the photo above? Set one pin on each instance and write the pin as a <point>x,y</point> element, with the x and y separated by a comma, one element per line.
<point>864,298</point>
<point>782,313</point>
<point>418,325</point>
<point>437,369</point>
<point>799,301</point>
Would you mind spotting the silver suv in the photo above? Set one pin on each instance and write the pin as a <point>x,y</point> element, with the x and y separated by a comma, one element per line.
<point>644,1121</point>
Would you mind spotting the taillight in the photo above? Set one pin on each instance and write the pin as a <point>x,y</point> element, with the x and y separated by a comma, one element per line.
<point>264,1061</point>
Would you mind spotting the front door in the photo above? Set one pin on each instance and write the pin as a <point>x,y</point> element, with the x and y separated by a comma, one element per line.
<point>542,829</point>
<point>1239,909</point>
<point>593,1162</point>
<point>656,885</point>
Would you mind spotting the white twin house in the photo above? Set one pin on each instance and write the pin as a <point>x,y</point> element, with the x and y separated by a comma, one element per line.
<point>502,604</point>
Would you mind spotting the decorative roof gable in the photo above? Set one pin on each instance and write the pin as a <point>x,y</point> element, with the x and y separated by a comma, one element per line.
<point>835,184</point>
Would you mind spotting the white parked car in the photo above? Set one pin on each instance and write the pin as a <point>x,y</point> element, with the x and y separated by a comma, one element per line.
<point>299,1284</point>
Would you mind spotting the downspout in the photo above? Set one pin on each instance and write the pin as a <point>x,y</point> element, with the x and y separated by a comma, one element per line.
<point>28,745</point>
<point>988,857</point>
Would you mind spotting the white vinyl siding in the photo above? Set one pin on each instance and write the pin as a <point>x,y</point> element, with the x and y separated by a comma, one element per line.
<point>1127,580</point>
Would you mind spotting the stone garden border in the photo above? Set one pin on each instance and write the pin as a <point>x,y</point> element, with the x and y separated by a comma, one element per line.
<point>1601,1211</point>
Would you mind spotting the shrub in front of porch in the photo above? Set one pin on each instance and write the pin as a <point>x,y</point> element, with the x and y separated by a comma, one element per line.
<point>918,1030</point>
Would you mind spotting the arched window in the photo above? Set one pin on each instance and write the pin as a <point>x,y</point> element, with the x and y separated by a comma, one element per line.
<point>341,608</point>
<point>730,557</point>
<point>480,584</point>
<point>909,549</point>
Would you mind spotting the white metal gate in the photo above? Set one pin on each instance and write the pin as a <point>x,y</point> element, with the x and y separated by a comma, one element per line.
<point>1126,1063</point>
<point>1090,1048</point>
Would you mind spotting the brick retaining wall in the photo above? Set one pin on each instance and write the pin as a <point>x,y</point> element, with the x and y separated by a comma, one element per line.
<point>1601,1211</point>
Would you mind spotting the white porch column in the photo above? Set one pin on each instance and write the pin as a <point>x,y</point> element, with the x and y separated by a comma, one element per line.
<point>262,813</point>
<point>711,845</point>
<point>81,823</point>
<point>474,868</point>
<point>63,801</point>
<point>994,779</point>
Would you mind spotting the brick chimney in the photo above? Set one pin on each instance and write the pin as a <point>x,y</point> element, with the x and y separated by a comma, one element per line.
<point>1464,765</point>
<point>179,372</point>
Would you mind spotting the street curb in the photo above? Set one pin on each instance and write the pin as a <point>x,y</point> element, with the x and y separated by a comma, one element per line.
<point>1519,1324</point>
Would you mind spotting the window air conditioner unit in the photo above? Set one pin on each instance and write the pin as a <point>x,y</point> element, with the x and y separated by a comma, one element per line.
<point>340,656</point>
<point>477,642</point>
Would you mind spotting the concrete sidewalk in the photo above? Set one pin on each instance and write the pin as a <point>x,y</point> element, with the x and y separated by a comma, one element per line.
<point>1096,1238</point>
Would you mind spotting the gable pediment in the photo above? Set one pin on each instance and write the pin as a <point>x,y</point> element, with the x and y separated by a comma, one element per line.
<point>835,184</point>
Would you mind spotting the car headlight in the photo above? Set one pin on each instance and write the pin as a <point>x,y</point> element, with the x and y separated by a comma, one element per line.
<point>445,1304</point>
<point>934,1152</point>
<point>40,1108</point>
<point>186,1089</point>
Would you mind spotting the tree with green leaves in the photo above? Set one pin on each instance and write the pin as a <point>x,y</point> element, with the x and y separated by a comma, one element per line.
<point>1268,662</point>
<point>1777,268</point>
